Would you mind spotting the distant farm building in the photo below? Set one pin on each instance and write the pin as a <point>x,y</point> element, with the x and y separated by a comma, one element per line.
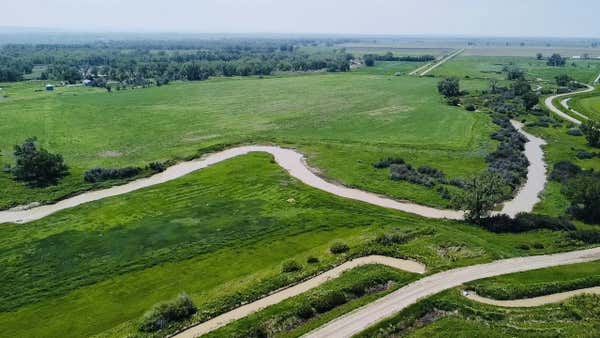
<point>88,83</point>
<point>49,87</point>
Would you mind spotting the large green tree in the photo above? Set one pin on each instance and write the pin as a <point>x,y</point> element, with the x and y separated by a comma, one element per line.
<point>449,87</point>
<point>481,195</point>
<point>36,166</point>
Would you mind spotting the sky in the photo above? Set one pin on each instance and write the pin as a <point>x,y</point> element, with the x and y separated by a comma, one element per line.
<point>530,18</point>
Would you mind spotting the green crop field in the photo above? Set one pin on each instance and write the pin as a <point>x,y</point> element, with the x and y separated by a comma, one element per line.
<point>344,122</point>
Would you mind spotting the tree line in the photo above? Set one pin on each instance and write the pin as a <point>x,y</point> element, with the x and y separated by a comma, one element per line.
<point>165,61</point>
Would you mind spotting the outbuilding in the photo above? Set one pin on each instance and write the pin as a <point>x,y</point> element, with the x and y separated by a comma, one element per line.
<point>49,87</point>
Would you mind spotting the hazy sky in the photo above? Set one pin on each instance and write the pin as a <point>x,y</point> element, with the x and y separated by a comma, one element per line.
<point>441,17</point>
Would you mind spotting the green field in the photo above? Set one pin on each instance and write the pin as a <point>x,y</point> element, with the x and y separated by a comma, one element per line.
<point>490,67</point>
<point>588,105</point>
<point>99,266</point>
<point>344,122</point>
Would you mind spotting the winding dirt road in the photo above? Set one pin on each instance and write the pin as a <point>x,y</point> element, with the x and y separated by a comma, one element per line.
<point>296,166</point>
<point>385,307</point>
<point>558,111</point>
<point>279,296</point>
<point>535,301</point>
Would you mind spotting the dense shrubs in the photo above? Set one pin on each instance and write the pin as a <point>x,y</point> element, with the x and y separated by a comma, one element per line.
<point>591,130</point>
<point>386,162</point>
<point>449,87</point>
<point>564,171</point>
<point>328,301</point>
<point>290,266</point>
<point>405,172</point>
<point>339,247</point>
<point>524,222</point>
<point>105,174</point>
<point>508,161</point>
<point>582,187</point>
<point>163,314</point>
<point>518,291</point>
<point>574,131</point>
<point>587,236</point>
<point>312,260</point>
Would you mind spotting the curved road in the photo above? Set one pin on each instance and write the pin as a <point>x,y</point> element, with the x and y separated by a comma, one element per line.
<point>385,307</point>
<point>279,296</point>
<point>535,301</point>
<point>558,111</point>
<point>294,163</point>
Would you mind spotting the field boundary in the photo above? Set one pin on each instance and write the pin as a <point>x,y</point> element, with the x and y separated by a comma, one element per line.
<point>444,60</point>
<point>534,301</point>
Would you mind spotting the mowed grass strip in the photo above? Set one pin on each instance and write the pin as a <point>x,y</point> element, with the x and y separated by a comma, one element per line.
<point>132,128</point>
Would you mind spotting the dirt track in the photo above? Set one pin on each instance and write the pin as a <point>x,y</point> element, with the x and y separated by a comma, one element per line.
<point>535,301</point>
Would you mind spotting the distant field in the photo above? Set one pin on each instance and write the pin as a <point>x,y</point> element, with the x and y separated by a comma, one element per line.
<point>344,122</point>
<point>99,266</point>
<point>530,51</point>
<point>490,67</point>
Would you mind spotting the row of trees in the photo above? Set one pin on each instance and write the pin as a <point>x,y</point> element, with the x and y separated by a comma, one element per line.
<point>120,61</point>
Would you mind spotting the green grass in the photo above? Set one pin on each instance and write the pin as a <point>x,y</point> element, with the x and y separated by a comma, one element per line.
<point>390,68</point>
<point>588,105</point>
<point>539,282</point>
<point>99,266</point>
<point>449,314</point>
<point>490,67</point>
<point>358,116</point>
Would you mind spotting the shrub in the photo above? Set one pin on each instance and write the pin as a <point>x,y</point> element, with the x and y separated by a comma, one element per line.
<point>163,314</point>
<point>104,174</point>
<point>470,107</point>
<point>523,246</point>
<point>290,266</point>
<point>524,222</point>
<point>339,247</point>
<point>584,155</point>
<point>564,171</point>
<point>36,166</point>
<point>591,130</point>
<point>158,167</point>
<point>328,301</point>
<point>312,260</point>
<point>305,311</point>
<point>393,238</point>
<point>405,172</point>
<point>586,236</point>
<point>574,131</point>
<point>386,162</point>
<point>538,246</point>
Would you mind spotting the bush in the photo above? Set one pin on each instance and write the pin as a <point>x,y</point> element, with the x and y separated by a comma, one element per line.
<point>104,174</point>
<point>328,301</point>
<point>564,171</point>
<point>405,172</point>
<point>393,238</point>
<point>470,107</point>
<point>574,131</point>
<point>36,166</point>
<point>586,236</point>
<point>339,247</point>
<point>158,167</point>
<point>386,162</point>
<point>163,314</point>
<point>584,155</point>
<point>290,266</point>
<point>591,130</point>
<point>524,222</point>
<point>312,260</point>
<point>305,311</point>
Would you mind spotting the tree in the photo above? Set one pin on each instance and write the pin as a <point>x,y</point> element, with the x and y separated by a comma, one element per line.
<point>530,99</point>
<point>563,80</point>
<point>514,73</point>
<point>521,87</point>
<point>556,60</point>
<point>591,130</point>
<point>36,166</point>
<point>539,56</point>
<point>449,87</point>
<point>584,193</point>
<point>482,193</point>
<point>494,86</point>
<point>369,60</point>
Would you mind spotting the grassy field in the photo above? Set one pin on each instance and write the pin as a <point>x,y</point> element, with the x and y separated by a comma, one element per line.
<point>344,122</point>
<point>99,266</point>
<point>587,105</point>
<point>490,67</point>
<point>451,314</point>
